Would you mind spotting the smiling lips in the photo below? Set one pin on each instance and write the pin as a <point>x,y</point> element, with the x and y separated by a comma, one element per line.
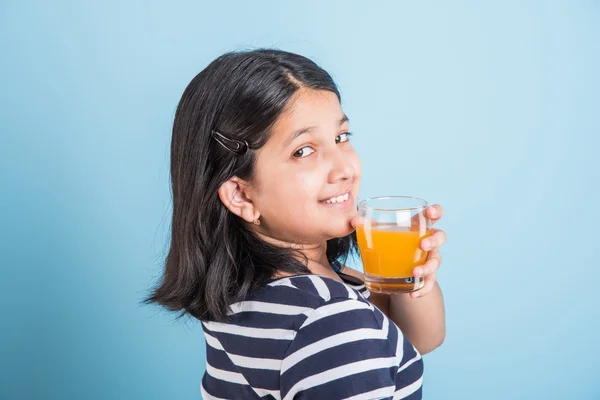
<point>337,199</point>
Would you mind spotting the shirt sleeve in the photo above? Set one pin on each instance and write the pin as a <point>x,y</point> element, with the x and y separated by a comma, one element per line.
<point>347,349</point>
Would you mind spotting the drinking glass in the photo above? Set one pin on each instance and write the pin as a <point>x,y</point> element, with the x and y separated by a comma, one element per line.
<point>389,237</point>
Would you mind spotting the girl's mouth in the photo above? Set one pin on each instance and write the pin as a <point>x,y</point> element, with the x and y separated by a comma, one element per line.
<point>344,200</point>
<point>337,199</point>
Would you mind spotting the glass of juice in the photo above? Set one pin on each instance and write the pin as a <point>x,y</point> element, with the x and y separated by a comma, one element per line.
<point>389,237</point>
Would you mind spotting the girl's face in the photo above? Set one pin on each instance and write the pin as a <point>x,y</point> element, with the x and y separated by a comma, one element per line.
<point>307,175</point>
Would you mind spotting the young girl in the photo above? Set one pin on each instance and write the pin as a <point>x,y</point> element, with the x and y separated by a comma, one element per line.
<point>260,147</point>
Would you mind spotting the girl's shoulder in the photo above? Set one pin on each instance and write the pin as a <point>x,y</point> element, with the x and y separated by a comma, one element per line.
<point>289,303</point>
<point>286,303</point>
<point>311,290</point>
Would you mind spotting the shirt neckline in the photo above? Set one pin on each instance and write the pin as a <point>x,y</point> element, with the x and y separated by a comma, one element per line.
<point>345,278</point>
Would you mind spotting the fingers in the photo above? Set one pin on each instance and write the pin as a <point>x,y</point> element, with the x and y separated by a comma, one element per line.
<point>434,260</point>
<point>357,220</point>
<point>429,283</point>
<point>429,272</point>
<point>434,213</point>
<point>435,241</point>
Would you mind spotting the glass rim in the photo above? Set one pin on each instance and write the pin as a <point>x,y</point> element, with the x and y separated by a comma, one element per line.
<point>362,204</point>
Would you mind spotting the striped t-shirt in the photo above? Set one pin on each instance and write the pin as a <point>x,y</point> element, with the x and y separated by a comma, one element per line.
<point>309,337</point>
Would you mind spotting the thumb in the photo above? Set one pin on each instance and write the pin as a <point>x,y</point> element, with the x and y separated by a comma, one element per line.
<point>357,220</point>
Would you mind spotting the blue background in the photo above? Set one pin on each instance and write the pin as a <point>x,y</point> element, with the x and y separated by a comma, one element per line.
<point>489,108</point>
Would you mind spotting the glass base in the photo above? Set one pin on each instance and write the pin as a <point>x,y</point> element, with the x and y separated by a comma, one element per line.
<point>393,285</point>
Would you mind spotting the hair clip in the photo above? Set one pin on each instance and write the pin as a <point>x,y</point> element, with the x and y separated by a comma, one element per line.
<point>236,146</point>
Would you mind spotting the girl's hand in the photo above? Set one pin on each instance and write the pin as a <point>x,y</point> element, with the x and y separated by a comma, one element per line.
<point>434,259</point>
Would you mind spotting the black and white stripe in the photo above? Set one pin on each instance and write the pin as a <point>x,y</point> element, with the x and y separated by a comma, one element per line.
<point>309,337</point>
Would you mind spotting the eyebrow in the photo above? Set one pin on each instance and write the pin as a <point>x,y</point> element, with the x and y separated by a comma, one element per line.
<point>302,131</point>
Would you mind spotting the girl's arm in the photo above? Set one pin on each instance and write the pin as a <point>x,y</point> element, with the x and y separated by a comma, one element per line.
<point>420,315</point>
<point>421,319</point>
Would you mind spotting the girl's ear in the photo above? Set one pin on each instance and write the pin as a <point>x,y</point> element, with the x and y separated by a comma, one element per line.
<point>234,195</point>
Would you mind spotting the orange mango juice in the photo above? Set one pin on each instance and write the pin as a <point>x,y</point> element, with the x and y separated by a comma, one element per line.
<point>388,251</point>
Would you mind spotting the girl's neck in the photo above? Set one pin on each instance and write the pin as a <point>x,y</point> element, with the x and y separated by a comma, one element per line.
<point>316,254</point>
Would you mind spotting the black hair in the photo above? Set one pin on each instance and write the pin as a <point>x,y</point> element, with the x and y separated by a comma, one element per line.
<point>214,259</point>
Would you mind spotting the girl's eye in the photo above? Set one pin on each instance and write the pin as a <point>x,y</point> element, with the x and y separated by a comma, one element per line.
<point>344,137</point>
<point>303,152</point>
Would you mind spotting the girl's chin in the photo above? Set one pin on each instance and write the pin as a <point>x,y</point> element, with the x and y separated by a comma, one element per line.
<point>342,231</point>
